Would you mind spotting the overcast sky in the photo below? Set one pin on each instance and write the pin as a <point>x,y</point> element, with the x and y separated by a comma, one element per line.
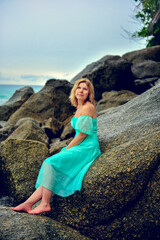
<point>42,39</point>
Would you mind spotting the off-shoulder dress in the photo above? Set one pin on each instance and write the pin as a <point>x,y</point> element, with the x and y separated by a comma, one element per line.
<point>63,172</point>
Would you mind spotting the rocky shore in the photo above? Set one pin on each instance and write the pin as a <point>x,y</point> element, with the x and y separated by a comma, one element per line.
<point>120,193</point>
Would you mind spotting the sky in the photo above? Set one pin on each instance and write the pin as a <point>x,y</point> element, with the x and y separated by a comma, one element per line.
<point>43,39</point>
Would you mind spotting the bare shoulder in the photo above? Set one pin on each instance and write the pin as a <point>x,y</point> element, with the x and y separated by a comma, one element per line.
<point>89,110</point>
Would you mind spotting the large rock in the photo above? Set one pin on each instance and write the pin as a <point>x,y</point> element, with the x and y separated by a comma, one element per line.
<point>19,97</point>
<point>114,99</point>
<point>140,220</point>
<point>146,69</point>
<point>53,127</point>
<point>51,101</point>
<point>152,53</point>
<point>20,161</point>
<point>107,74</point>
<point>122,177</point>
<point>30,130</point>
<point>145,83</point>
<point>16,226</point>
<point>68,130</point>
<point>5,132</point>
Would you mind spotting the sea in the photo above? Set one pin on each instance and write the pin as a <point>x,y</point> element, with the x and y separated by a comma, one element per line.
<point>6,91</point>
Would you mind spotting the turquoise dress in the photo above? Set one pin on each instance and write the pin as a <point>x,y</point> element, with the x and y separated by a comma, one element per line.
<point>63,172</point>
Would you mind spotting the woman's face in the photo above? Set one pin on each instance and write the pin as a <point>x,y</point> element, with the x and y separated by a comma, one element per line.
<point>82,92</point>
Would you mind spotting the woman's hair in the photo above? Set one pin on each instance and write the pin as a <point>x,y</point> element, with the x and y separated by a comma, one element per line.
<point>90,97</point>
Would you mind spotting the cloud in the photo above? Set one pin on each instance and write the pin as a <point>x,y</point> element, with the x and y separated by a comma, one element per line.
<point>44,39</point>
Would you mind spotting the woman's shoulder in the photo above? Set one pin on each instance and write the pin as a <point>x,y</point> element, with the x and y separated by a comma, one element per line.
<point>89,110</point>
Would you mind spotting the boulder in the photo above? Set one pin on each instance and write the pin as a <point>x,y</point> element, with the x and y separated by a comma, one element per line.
<point>144,84</point>
<point>93,66</point>
<point>146,69</point>
<point>52,127</point>
<point>17,226</point>
<point>5,132</point>
<point>152,53</point>
<point>51,101</point>
<point>67,132</point>
<point>23,120</point>
<point>20,161</point>
<point>19,97</point>
<point>2,123</point>
<point>57,145</point>
<point>140,220</point>
<point>29,130</point>
<point>114,99</point>
<point>107,74</point>
<point>123,177</point>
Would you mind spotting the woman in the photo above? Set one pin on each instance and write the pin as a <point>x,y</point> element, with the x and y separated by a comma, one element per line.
<point>63,173</point>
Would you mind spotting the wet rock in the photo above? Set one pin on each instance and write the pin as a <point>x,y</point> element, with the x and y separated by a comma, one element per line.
<point>17,226</point>
<point>114,99</point>
<point>18,98</point>
<point>51,101</point>
<point>20,161</point>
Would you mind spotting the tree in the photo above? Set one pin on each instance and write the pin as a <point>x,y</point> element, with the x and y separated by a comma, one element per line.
<point>148,12</point>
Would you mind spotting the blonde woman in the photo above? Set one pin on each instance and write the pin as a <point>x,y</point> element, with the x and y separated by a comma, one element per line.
<point>63,173</point>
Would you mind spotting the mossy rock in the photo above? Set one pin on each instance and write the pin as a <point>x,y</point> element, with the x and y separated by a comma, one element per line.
<point>20,161</point>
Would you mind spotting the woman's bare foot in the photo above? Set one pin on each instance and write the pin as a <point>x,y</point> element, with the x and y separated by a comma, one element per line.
<point>23,207</point>
<point>40,209</point>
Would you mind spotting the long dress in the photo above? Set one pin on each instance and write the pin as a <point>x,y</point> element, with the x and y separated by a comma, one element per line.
<point>63,172</point>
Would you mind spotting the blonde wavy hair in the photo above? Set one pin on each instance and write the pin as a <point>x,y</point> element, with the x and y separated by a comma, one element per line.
<point>90,97</point>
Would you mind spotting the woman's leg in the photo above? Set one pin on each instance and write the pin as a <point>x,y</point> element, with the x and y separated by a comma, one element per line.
<point>44,206</point>
<point>27,205</point>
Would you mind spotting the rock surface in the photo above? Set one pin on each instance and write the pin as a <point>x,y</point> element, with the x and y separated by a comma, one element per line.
<point>5,132</point>
<point>152,53</point>
<point>29,130</point>
<point>121,73</point>
<point>68,132</point>
<point>53,127</point>
<point>51,100</point>
<point>114,99</point>
<point>109,73</point>
<point>20,161</point>
<point>18,98</point>
<point>120,193</point>
<point>146,69</point>
<point>122,177</point>
<point>18,226</point>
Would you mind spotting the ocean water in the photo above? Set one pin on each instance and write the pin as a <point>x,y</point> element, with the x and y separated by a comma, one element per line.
<point>6,91</point>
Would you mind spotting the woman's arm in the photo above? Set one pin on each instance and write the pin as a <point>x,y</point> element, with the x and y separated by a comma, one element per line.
<point>77,140</point>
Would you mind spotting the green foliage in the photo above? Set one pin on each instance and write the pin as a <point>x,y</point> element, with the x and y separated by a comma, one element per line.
<point>146,9</point>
